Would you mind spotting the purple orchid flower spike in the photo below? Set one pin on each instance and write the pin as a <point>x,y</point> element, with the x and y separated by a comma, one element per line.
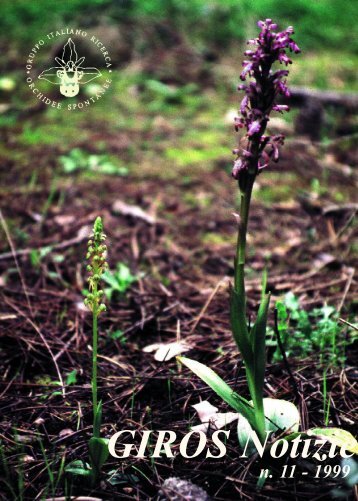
<point>260,98</point>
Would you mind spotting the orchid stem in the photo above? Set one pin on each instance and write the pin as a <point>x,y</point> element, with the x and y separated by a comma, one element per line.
<point>94,364</point>
<point>240,258</point>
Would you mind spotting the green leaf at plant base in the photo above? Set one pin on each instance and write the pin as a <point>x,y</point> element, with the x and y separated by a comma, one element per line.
<point>258,335</point>
<point>98,450</point>
<point>239,327</point>
<point>337,436</point>
<point>263,285</point>
<point>217,384</point>
<point>280,415</point>
<point>78,468</point>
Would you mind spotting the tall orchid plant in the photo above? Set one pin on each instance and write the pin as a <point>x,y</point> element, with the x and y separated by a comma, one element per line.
<point>263,86</point>
<point>260,99</point>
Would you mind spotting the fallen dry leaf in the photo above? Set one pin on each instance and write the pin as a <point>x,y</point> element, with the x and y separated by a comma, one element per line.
<point>204,410</point>
<point>135,211</point>
<point>167,351</point>
<point>211,418</point>
<point>66,432</point>
<point>64,219</point>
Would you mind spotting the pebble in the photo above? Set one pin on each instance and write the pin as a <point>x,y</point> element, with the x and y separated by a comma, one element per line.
<point>177,489</point>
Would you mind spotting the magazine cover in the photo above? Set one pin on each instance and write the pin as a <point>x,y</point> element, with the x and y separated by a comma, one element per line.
<point>178,246</point>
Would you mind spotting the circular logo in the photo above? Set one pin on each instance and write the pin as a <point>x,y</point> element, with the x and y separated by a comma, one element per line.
<point>68,71</point>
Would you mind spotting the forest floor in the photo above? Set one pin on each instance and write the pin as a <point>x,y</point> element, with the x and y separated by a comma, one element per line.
<point>166,152</point>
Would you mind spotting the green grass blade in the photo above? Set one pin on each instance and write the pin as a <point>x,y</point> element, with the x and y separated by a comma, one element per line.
<point>97,420</point>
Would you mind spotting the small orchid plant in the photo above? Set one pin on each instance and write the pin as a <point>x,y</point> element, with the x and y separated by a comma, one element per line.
<point>264,84</point>
<point>96,253</point>
<point>98,447</point>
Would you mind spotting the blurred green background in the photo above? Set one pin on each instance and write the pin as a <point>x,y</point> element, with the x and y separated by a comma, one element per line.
<point>173,97</point>
<point>212,28</point>
<point>322,24</point>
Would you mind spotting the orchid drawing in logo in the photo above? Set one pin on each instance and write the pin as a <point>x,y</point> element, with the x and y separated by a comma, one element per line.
<point>70,73</point>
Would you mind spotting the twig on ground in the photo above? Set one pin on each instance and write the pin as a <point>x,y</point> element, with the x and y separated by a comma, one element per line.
<point>348,323</point>
<point>285,361</point>
<point>82,235</point>
<point>14,256</point>
<point>43,339</point>
<point>346,289</point>
<point>206,305</point>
